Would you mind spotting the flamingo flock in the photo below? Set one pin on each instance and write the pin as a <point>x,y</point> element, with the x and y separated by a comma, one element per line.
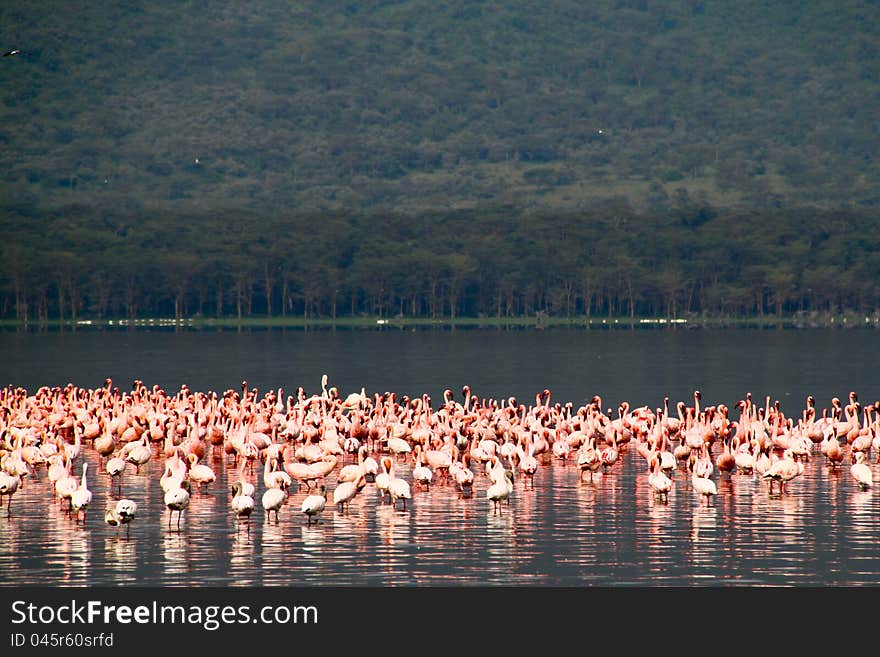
<point>301,443</point>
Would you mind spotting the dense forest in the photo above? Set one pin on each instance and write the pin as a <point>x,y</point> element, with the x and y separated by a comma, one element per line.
<point>77,264</point>
<point>433,159</point>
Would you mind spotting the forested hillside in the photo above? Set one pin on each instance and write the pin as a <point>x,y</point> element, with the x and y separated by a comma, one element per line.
<point>439,159</point>
<point>77,264</point>
<point>422,105</point>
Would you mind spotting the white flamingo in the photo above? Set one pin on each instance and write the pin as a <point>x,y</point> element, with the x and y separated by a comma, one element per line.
<point>177,499</point>
<point>500,490</point>
<point>82,496</point>
<point>398,488</point>
<point>704,486</point>
<point>273,499</point>
<point>660,483</point>
<point>861,471</point>
<point>314,505</point>
<point>346,492</point>
<point>8,485</point>
<point>201,475</point>
<point>242,503</point>
<point>121,513</point>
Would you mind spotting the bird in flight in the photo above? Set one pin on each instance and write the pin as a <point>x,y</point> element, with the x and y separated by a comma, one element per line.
<point>9,53</point>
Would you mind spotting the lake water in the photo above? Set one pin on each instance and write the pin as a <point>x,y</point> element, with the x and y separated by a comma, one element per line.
<point>822,531</point>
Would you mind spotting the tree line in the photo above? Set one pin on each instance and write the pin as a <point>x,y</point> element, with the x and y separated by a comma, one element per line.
<point>79,262</point>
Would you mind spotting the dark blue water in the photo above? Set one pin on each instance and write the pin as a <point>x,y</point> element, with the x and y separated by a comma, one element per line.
<point>563,532</point>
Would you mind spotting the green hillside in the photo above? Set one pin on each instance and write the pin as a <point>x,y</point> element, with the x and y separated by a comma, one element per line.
<point>308,107</point>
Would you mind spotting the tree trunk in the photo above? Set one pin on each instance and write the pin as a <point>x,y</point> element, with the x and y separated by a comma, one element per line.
<point>268,282</point>
<point>61,303</point>
<point>238,299</point>
<point>73,303</point>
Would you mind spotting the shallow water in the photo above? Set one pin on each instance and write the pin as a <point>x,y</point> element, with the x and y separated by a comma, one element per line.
<point>822,531</point>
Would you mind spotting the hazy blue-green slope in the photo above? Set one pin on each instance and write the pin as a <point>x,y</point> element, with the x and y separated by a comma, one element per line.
<point>417,105</point>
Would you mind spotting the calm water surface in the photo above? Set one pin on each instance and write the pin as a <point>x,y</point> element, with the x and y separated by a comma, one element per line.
<point>823,531</point>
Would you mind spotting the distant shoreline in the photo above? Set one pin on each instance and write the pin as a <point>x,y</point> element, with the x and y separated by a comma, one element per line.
<point>420,323</point>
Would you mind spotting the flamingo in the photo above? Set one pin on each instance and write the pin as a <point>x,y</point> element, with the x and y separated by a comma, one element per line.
<point>421,473</point>
<point>398,488</point>
<point>242,503</point>
<point>704,486</point>
<point>589,459</point>
<point>659,482</point>
<point>398,446</point>
<point>273,499</point>
<point>177,499</point>
<point>861,471</point>
<point>8,485</point>
<point>463,475</point>
<point>500,490</point>
<point>314,505</point>
<point>744,459</point>
<point>346,492</point>
<point>73,451</point>
<point>783,471</point>
<point>200,475</point>
<point>273,478</point>
<point>244,487</point>
<point>763,462</point>
<point>439,460</point>
<point>703,466</point>
<point>832,450</point>
<point>323,467</point>
<point>121,513</point>
<point>528,464</point>
<point>82,496</point>
<point>65,487</point>
<point>138,454</point>
<point>609,454</point>
<point>726,461</point>
<point>56,470</point>
<point>355,401</point>
<point>371,468</point>
<point>383,479</point>
<point>354,471</point>
<point>115,467</point>
<point>174,473</point>
<point>561,449</point>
